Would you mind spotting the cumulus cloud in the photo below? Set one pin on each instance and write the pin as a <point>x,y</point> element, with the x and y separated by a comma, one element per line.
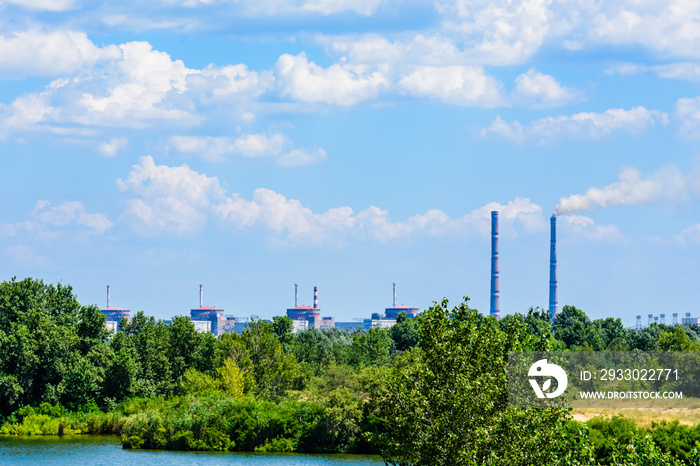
<point>461,85</point>
<point>170,198</point>
<point>134,86</point>
<point>46,219</point>
<point>113,146</point>
<point>39,53</point>
<point>580,125</point>
<point>180,200</point>
<point>632,189</point>
<point>542,90</point>
<point>300,79</point>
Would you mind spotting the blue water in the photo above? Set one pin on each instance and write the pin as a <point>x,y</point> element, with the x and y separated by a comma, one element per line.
<point>107,450</point>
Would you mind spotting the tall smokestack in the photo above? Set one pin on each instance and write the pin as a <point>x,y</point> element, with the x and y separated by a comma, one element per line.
<point>296,295</point>
<point>553,306</point>
<point>201,296</point>
<point>315,298</point>
<point>495,299</point>
<point>107,296</point>
<point>394,305</point>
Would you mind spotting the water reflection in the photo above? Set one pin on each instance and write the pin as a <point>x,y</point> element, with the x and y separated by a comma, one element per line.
<point>107,450</point>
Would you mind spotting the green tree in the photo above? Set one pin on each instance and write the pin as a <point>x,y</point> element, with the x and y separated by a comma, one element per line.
<point>404,333</point>
<point>449,404</point>
<point>371,348</point>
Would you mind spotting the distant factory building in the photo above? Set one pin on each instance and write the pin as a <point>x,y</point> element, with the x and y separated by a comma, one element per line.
<point>233,325</point>
<point>687,320</point>
<point>215,317</point>
<point>113,315</point>
<point>305,317</point>
<point>350,326</point>
<point>390,314</point>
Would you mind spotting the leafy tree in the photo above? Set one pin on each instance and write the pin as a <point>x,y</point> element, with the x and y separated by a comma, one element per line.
<point>193,381</point>
<point>404,333</point>
<point>231,378</point>
<point>372,347</point>
<point>677,340</point>
<point>450,405</point>
<point>612,332</point>
<point>314,347</point>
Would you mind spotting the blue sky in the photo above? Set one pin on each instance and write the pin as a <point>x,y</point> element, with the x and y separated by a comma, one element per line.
<point>251,145</point>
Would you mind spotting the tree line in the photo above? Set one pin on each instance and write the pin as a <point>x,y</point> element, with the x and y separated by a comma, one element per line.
<point>429,390</point>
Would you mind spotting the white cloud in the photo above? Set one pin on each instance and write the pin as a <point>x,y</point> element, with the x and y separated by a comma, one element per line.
<point>689,235</point>
<point>70,212</point>
<point>330,7</point>
<point>461,85</point>
<point>542,90</point>
<point>298,157</point>
<point>275,212</point>
<point>170,198</point>
<point>501,31</point>
<point>132,86</point>
<point>43,5</point>
<point>113,146</point>
<point>293,7</point>
<point>683,70</point>
<point>632,189</point>
<point>38,53</point>
<point>275,146</point>
<point>181,200</point>
<point>587,228</point>
<point>688,111</point>
<point>45,219</point>
<point>300,79</point>
<point>587,125</point>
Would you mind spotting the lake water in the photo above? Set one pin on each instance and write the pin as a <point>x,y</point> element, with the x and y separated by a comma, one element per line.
<point>107,450</point>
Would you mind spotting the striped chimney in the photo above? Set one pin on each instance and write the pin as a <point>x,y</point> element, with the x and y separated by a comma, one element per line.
<point>315,298</point>
<point>495,298</point>
<point>201,296</point>
<point>108,296</point>
<point>553,305</point>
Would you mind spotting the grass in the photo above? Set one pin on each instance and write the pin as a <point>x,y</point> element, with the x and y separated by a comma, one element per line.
<point>686,411</point>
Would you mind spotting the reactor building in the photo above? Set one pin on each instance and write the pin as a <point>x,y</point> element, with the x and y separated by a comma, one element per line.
<point>208,318</point>
<point>113,315</point>
<point>305,317</point>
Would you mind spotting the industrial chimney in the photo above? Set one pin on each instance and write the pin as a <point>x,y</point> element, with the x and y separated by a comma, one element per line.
<point>394,305</point>
<point>495,301</point>
<point>107,296</point>
<point>315,298</point>
<point>553,306</point>
<point>296,295</point>
<point>201,296</point>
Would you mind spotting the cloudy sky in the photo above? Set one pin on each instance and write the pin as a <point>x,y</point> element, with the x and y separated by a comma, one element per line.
<point>251,145</point>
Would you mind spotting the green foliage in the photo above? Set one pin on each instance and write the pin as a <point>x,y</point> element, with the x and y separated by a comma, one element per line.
<point>193,381</point>
<point>449,405</point>
<point>231,379</point>
<point>372,347</point>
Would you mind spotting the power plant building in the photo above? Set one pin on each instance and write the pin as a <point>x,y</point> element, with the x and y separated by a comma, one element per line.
<point>215,317</point>
<point>305,317</point>
<point>113,315</point>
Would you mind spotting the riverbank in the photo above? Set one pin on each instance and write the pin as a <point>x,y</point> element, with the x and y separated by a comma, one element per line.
<point>101,449</point>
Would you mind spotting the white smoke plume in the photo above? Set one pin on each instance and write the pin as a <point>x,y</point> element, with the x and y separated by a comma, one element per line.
<point>632,189</point>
